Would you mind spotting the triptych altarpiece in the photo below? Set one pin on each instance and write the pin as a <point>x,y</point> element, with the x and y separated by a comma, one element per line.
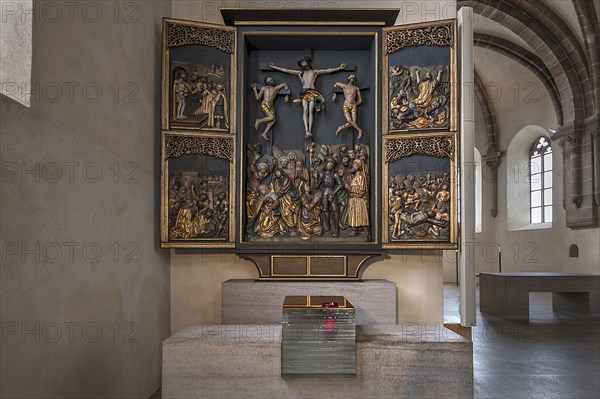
<point>306,146</point>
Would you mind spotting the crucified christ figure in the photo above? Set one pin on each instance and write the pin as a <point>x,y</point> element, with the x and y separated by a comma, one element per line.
<point>311,99</point>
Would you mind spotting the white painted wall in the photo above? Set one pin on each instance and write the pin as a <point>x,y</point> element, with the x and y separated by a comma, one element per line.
<point>80,175</point>
<point>523,102</point>
<point>522,105</point>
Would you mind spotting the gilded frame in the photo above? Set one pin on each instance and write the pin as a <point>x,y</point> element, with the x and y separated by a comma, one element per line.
<point>453,76</point>
<point>166,60</point>
<point>419,244</point>
<point>308,272</point>
<point>374,150</point>
<point>166,242</point>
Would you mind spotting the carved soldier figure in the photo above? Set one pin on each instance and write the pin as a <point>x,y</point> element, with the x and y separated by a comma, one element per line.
<point>221,121</point>
<point>221,214</point>
<point>330,183</point>
<point>311,99</point>
<point>352,99</point>
<point>267,94</point>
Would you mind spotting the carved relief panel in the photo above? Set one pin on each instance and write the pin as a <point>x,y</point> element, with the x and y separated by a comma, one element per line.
<point>419,66</point>
<point>274,138</point>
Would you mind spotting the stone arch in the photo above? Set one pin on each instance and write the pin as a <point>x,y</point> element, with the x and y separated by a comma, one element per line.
<point>590,28</point>
<point>558,48</point>
<point>547,46</point>
<point>527,59</point>
<point>489,114</point>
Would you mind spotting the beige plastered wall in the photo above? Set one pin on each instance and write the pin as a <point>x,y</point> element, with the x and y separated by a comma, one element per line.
<point>196,278</point>
<point>84,285</point>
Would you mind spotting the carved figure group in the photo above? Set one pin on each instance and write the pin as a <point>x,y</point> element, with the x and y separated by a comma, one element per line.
<point>310,98</point>
<point>201,99</point>
<point>419,98</point>
<point>196,209</point>
<point>419,206</point>
<point>329,194</point>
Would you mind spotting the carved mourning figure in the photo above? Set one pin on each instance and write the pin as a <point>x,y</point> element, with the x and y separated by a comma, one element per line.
<point>310,214</point>
<point>315,194</point>
<point>267,95</point>
<point>287,196</point>
<point>198,207</point>
<point>310,98</point>
<point>258,173</point>
<point>419,206</point>
<point>352,99</point>
<point>419,97</point>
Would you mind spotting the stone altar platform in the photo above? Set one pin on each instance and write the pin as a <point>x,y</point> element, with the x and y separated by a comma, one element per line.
<point>244,361</point>
<point>506,295</point>
<point>259,302</point>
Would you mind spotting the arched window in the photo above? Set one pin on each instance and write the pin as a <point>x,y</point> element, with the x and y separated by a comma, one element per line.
<point>540,181</point>
<point>518,179</point>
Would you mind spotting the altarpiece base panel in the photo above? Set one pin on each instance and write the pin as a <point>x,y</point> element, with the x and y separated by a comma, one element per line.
<point>274,137</point>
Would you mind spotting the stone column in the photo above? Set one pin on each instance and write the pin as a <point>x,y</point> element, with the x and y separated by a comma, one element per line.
<point>467,171</point>
<point>492,160</point>
<point>596,156</point>
<point>569,138</point>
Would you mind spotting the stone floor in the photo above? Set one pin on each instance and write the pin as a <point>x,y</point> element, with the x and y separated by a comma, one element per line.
<point>551,356</point>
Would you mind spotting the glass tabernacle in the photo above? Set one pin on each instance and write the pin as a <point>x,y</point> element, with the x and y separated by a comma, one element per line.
<point>318,337</point>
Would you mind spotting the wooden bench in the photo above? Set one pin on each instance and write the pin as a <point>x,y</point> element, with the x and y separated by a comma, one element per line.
<point>506,295</point>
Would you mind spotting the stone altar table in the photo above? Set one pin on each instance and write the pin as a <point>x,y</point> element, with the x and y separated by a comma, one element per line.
<point>244,361</point>
<point>506,295</point>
